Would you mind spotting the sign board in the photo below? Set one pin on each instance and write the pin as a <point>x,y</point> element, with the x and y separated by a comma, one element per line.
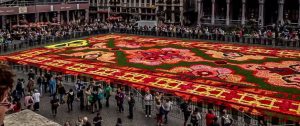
<point>22,10</point>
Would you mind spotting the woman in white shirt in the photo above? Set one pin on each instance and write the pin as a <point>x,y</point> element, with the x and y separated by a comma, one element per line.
<point>167,106</point>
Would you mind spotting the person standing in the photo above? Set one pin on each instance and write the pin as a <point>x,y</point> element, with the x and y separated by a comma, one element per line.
<point>20,88</point>
<point>52,86</point>
<point>94,99</point>
<point>28,101</point>
<point>30,85</point>
<point>226,120</point>
<point>107,90</point>
<point>40,81</point>
<point>210,118</point>
<point>131,103</point>
<point>186,110</point>
<point>88,97</point>
<point>195,117</point>
<point>70,99</point>
<point>48,77</point>
<point>31,74</point>
<point>147,101</point>
<point>159,112</point>
<point>36,100</point>
<point>97,121</point>
<point>100,96</point>
<point>120,100</point>
<point>54,105</point>
<point>61,91</point>
<point>167,106</point>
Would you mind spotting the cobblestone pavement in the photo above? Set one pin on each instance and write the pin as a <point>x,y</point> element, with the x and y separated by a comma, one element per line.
<point>109,115</point>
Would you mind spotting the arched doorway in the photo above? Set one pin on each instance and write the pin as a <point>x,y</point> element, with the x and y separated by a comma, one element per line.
<point>206,11</point>
<point>252,9</point>
<point>291,11</point>
<point>236,10</point>
<point>220,9</point>
<point>270,12</point>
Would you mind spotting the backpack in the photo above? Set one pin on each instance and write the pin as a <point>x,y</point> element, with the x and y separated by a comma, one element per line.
<point>30,101</point>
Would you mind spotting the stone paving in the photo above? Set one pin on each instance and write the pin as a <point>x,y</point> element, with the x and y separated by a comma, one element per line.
<point>28,118</point>
<point>109,115</point>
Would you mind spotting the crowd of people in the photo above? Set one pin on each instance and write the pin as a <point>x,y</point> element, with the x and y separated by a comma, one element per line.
<point>93,96</point>
<point>36,35</point>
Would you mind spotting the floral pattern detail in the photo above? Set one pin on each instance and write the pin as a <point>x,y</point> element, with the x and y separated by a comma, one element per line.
<point>135,44</point>
<point>210,72</point>
<point>154,57</point>
<point>233,56</point>
<point>286,73</point>
<point>94,55</point>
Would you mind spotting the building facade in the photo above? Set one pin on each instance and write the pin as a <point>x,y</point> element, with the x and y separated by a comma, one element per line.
<point>25,13</point>
<point>260,12</point>
<point>185,12</point>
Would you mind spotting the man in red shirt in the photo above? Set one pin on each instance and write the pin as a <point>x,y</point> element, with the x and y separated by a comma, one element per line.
<point>210,118</point>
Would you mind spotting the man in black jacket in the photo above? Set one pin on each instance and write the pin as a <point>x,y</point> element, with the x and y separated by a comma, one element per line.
<point>131,103</point>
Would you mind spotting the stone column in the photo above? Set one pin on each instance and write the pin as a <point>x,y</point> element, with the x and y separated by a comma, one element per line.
<point>280,10</point>
<point>58,16</point>
<point>165,8</point>
<point>299,14</point>
<point>213,12</point>
<point>18,19</point>
<point>199,5</point>
<point>261,12</point>
<point>140,9</point>
<point>87,15</point>
<point>173,14</point>
<point>37,17</point>
<point>68,17</point>
<point>243,12</point>
<point>3,21</point>
<point>181,12</point>
<point>227,11</point>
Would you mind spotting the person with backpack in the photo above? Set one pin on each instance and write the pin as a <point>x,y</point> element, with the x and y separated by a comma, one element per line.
<point>70,100</point>
<point>28,101</point>
<point>226,120</point>
<point>54,105</point>
<point>131,103</point>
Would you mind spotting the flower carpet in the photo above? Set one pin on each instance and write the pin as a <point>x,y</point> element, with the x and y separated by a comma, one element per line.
<point>258,80</point>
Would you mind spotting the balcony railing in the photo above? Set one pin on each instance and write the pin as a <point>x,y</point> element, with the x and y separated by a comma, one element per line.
<point>40,2</point>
